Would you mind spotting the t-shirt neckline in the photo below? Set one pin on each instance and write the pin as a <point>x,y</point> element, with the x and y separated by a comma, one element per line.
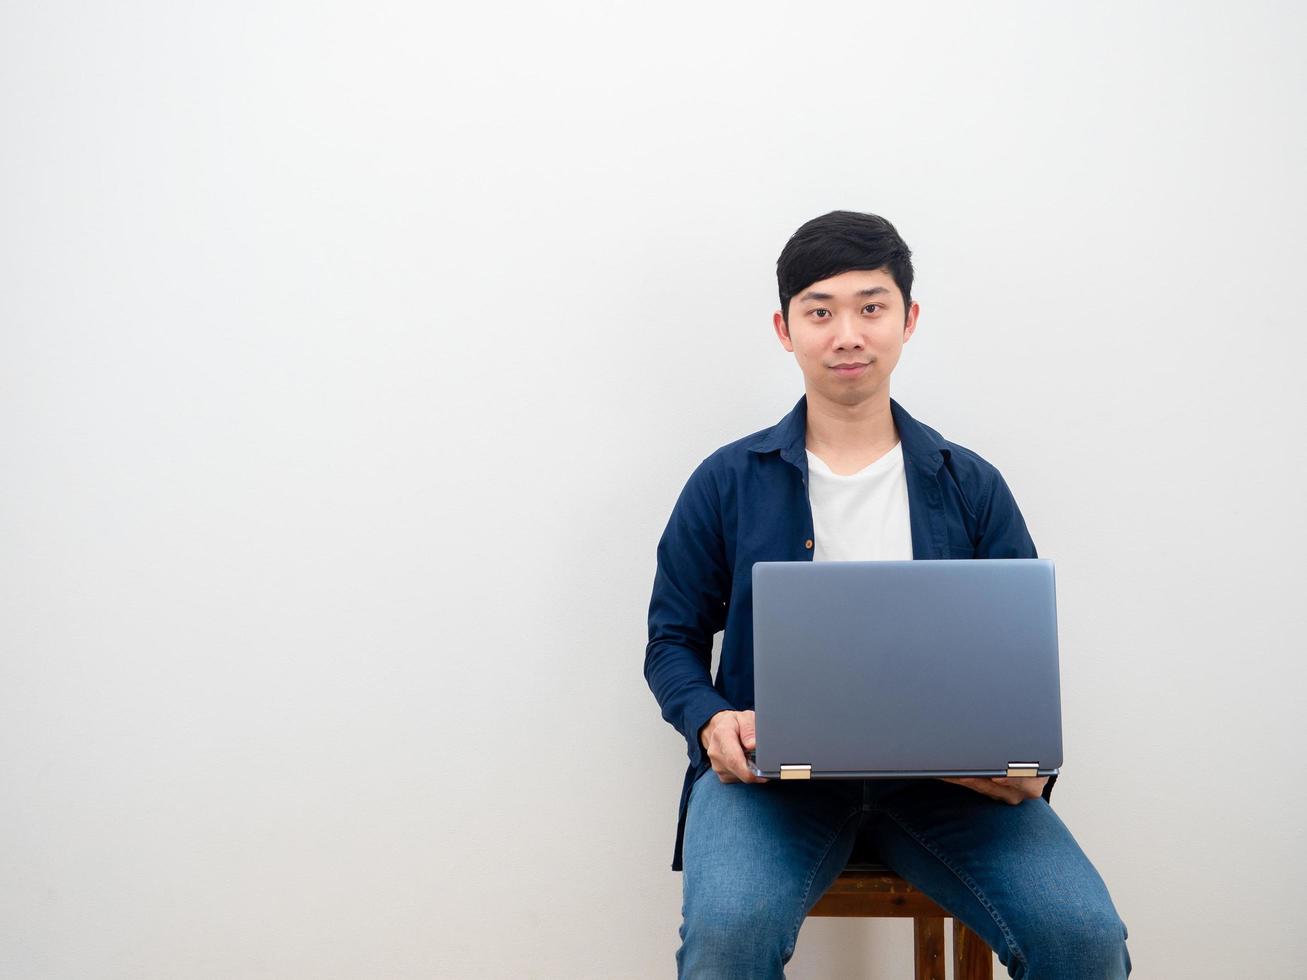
<point>885,462</point>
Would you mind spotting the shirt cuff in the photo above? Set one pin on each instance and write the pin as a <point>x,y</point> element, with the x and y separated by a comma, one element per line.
<point>701,708</point>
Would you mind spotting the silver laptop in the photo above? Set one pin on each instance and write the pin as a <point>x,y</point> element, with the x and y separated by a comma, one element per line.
<point>868,669</point>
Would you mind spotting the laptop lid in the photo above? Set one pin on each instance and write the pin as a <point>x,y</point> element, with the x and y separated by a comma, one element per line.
<point>906,668</point>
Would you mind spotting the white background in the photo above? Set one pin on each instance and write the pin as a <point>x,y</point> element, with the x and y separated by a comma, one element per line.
<point>352,357</point>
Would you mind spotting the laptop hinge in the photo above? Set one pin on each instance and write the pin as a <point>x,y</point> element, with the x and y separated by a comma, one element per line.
<point>796,772</point>
<point>1022,769</point>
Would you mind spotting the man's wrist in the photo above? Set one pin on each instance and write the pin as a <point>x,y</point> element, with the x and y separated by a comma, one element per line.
<point>706,729</point>
<point>703,733</point>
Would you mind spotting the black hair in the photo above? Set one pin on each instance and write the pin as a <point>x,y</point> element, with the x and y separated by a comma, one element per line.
<point>837,242</point>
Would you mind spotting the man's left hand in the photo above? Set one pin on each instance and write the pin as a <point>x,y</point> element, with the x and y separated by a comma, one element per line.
<point>1006,789</point>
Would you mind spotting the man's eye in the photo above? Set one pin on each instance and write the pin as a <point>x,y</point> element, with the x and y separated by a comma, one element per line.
<point>871,306</point>
<point>819,311</point>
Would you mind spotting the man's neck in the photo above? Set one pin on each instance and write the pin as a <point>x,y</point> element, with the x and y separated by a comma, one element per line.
<point>848,438</point>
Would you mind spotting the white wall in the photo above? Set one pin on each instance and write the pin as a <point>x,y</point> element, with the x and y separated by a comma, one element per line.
<point>352,357</point>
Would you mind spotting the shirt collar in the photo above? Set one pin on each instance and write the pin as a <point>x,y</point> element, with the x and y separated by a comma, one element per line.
<point>922,445</point>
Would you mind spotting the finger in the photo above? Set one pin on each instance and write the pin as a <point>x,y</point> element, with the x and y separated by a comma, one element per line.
<point>749,730</point>
<point>1025,787</point>
<point>723,774</point>
<point>988,787</point>
<point>733,760</point>
<point>1009,794</point>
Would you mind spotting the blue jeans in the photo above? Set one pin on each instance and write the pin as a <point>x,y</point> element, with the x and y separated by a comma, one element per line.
<point>759,855</point>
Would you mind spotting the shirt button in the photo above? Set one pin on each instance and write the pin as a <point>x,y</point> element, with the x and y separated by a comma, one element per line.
<point>808,544</point>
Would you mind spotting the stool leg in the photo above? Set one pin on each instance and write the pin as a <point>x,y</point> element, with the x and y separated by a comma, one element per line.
<point>928,936</point>
<point>972,959</point>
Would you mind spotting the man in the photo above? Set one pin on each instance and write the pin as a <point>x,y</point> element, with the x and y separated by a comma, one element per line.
<point>847,475</point>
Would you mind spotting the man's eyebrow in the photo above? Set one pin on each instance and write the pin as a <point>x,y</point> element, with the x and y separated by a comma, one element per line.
<point>869,291</point>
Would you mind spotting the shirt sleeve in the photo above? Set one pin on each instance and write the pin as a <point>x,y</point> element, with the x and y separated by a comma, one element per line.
<point>1003,534</point>
<point>690,593</point>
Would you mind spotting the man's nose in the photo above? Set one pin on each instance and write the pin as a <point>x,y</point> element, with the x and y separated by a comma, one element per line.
<point>848,334</point>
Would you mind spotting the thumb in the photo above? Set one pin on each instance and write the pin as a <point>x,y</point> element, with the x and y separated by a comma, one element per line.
<point>748,734</point>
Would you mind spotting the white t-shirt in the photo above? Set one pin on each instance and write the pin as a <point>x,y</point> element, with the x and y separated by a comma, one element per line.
<point>862,516</point>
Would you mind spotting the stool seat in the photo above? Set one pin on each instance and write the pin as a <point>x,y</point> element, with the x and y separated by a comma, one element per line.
<point>873,890</point>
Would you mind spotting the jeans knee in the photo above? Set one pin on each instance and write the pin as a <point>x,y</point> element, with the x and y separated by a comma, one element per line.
<point>744,940</point>
<point>1083,946</point>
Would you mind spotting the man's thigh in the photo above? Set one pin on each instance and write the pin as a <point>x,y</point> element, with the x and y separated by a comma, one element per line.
<point>1014,874</point>
<point>758,855</point>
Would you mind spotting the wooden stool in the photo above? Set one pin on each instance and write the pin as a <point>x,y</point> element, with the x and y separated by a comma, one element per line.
<point>876,891</point>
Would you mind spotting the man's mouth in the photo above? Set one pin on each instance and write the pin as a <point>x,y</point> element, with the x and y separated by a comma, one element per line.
<point>850,367</point>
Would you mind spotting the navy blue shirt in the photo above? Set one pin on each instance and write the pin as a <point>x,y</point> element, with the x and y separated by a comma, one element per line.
<point>748,502</point>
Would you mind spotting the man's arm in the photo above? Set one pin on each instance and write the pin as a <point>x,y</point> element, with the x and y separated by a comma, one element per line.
<point>691,589</point>
<point>1002,529</point>
<point>1003,534</point>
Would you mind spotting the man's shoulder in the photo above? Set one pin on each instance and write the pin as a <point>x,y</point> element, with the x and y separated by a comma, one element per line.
<point>988,499</point>
<point>717,479</point>
<point>740,449</point>
<point>969,464</point>
<point>969,468</point>
<point>737,454</point>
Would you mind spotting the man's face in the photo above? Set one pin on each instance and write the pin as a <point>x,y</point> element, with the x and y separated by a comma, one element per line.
<point>846,332</point>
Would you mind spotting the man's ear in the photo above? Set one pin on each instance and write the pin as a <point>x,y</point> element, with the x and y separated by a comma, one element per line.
<point>910,321</point>
<point>782,331</point>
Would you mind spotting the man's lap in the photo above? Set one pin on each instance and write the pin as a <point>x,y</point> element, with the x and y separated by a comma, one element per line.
<point>1014,874</point>
<point>756,857</point>
<point>740,837</point>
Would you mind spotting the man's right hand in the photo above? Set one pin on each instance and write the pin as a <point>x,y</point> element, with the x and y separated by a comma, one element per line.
<point>727,736</point>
